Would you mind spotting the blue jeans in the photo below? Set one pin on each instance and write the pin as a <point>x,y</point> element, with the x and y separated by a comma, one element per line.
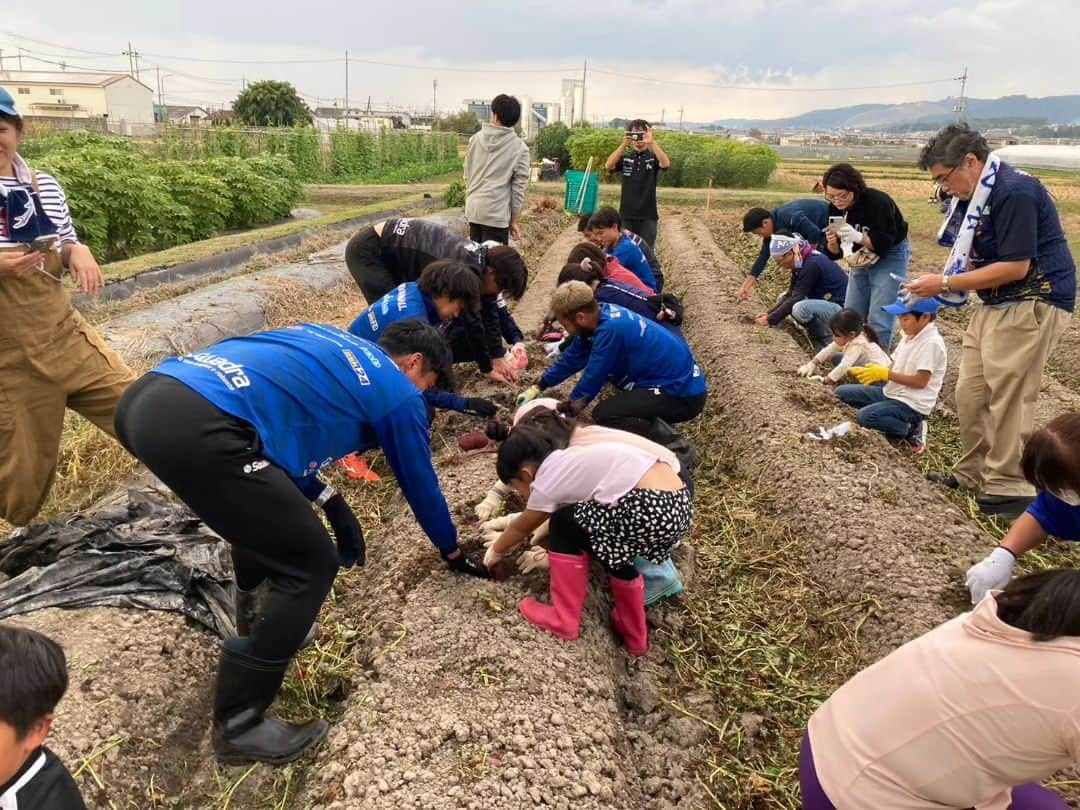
<point>870,289</point>
<point>813,314</point>
<point>892,417</point>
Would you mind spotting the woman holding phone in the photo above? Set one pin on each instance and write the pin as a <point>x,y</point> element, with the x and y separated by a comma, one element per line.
<point>50,357</point>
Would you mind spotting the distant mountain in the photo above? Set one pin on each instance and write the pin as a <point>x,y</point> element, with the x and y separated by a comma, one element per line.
<point>1050,110</point>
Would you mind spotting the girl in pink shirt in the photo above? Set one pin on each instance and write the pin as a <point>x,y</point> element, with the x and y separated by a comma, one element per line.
<point>611,501</point>
<point>970,715</point>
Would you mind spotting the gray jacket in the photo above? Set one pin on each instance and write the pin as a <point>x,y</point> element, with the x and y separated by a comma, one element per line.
<point>497,168</point>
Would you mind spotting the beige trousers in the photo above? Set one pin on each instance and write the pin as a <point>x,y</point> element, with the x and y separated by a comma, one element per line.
<point>50,359</point>
<point>1004,354</point>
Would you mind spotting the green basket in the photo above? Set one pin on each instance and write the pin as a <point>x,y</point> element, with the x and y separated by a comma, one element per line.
<point>575,202</point>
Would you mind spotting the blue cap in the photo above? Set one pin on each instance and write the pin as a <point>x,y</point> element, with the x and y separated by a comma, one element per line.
<point>923,306</point>
<point>7,103</point>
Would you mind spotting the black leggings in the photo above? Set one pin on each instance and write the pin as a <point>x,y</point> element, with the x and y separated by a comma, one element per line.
<point>636,410</point>
<point>489,233</point>
<point>213,462</point>
<point>363,257</point>
<point>565,536</point>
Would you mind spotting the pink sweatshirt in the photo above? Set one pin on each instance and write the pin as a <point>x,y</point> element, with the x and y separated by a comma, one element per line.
<point>954,719</point>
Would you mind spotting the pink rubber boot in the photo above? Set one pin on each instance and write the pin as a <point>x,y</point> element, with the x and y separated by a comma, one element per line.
<point>628,617</point>
<point>569,582</point>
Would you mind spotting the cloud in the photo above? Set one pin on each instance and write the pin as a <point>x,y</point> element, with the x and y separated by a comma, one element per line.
<point>789,46</point>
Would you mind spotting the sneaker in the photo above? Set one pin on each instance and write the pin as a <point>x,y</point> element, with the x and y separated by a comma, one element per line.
<point>916,440</point>
<point>1010,506</point>
<point>942,479</point>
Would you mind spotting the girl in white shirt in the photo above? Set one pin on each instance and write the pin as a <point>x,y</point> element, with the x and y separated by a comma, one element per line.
<point>857,340</point>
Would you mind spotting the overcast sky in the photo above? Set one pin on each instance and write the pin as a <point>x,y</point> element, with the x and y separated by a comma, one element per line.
<point>783,47</point>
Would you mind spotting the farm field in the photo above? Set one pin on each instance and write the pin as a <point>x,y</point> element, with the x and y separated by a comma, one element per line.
<point>439,694</point>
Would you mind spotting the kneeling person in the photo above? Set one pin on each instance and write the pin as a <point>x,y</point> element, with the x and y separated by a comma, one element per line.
<point>239,432</point>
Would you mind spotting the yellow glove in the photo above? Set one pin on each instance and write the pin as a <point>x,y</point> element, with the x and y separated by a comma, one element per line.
<point>528,395</point>
<point>870,375</point>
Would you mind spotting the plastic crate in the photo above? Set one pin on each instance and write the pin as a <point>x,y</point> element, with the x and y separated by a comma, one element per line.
<point>575,203</point>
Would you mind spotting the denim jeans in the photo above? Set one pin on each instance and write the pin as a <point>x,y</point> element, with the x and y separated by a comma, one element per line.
<point>892,417</point>
<point>870,289</point>
<point>813,314</point>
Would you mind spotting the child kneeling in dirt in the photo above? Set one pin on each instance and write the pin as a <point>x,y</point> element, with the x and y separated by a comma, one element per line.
<point>33,678</point>
<point>973,713</point>
<point>899,408</point>
<point>610,501</point>
<point>855,339</point>
<point>662,580</point>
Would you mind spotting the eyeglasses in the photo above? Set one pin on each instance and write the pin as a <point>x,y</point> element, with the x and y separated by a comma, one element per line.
<point>941,181</point>
<point>839,196</point>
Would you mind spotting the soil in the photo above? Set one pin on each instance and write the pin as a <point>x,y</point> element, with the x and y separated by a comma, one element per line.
<point>874,529</point>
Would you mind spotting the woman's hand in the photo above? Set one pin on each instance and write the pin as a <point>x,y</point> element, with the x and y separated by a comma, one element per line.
<point>84,269</point>
<point>20,265</point>
<point>832,241</point>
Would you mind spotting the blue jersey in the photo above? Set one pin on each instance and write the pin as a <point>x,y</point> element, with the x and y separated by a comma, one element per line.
<point>635,300</point>
<point>631,257</point>
<point>402,303</point>
<point>631,352</point>
<point>316,394</point>
<point>1056,517</point>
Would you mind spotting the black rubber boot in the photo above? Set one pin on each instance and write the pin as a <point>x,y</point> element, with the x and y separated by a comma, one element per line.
<point>247,609</point>
<point>664,434</point>
<point>243,732</point>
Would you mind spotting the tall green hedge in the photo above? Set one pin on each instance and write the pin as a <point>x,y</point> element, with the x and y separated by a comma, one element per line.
<point>125,201</point>
<point>695,159</point>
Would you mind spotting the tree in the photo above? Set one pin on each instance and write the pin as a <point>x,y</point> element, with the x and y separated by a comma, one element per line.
<point>551,143</point>
<point>463,123</point>
<point>271,104</point>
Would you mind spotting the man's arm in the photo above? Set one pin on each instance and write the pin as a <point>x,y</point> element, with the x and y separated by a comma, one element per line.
<point>598,369</point>
<point>519,183</point>
<point>658,150</point>
<point>574,359</point>
<point>617,155</point>
<point>805,226</point>
<point>403,436</point>
<point>469,164</point>
<point>489,315</point>
<point>762,260</point>
<point>476,336</point>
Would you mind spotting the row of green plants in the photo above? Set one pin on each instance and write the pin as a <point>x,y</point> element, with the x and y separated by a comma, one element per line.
<point>126,200</point>
<point>350,156</point>
<point>695,159</point>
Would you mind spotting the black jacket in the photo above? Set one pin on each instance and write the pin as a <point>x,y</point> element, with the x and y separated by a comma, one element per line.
<point>876,211</point>
<point>49,785</point>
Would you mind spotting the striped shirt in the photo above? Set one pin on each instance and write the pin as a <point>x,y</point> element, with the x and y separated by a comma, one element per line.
<point>53,200</point>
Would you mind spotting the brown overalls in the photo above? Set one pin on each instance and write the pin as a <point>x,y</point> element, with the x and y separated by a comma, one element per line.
<point>50,359</point>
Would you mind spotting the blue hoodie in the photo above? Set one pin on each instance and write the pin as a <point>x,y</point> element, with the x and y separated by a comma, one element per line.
<point>316,394</point>
<point>632,353</point>
<point>807,218</point>
<point>631,257</point>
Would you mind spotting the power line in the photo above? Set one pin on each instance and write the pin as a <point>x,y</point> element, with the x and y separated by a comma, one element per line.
<point>766,89</point>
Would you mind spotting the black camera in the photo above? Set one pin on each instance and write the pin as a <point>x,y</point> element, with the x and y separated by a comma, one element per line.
<point>636,136</point>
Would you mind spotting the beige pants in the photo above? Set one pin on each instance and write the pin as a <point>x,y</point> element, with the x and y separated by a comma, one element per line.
<point>50,359</point>
<point>1004,354</point>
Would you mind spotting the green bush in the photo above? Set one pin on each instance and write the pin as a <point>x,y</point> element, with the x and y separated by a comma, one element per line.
<point>455,195</point>
<point>695,159</point>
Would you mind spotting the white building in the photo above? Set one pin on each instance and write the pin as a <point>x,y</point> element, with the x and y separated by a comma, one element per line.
<point>573,101</point>
<point>125,104</point>
<point>535,115</point>
<point>184,116</point>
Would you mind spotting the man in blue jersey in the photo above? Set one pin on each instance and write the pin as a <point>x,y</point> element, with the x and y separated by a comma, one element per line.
<point>239,432</point>
<point>659,380</point>
<point>664,308</point>
<point>446,291</point>
<point>807,218</point>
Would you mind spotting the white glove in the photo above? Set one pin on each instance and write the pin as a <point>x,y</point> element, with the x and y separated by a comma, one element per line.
<point>992,573</point>
<point>491,530</point>
<point>533,559</point>
<point>806,369</point>
<point>553,350</point>
<point>848,233</point>
<point>493,502</point>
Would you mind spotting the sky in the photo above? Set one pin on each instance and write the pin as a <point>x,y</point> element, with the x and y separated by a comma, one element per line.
<point>645,58</point>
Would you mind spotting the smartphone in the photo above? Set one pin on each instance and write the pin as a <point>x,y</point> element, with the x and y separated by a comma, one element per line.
<point>836,222</point>
<point>636,136</point>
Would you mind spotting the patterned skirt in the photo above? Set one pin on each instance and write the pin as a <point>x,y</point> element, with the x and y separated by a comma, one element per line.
<point>645,523</point>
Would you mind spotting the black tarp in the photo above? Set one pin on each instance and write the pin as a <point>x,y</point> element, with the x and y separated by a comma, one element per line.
<point>149,554</point>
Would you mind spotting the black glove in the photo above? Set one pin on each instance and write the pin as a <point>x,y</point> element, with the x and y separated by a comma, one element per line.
<point>475,406</point>
<point>347,532</point>
<point>464,565</point>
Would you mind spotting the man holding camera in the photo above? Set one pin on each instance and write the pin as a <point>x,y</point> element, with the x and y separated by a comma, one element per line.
<point>642,160</point>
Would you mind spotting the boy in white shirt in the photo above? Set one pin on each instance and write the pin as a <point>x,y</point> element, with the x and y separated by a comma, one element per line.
<point>912,383</point>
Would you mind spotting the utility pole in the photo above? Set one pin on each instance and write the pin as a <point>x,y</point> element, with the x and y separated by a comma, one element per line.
<point>346,89</point>
<point>961,103</point>
<point>584,74</point>
<point>1,58</point>
<point>662,111</point>
<point>434,99</point>
<point>680,119</point>
<point>133,57</point>
<point>20,58</point>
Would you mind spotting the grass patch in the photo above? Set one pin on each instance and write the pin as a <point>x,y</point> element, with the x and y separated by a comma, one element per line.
<point>118,271</point>
<point>761,638</point>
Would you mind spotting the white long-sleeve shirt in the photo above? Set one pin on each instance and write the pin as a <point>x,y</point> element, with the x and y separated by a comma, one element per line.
<point>860,351</point>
